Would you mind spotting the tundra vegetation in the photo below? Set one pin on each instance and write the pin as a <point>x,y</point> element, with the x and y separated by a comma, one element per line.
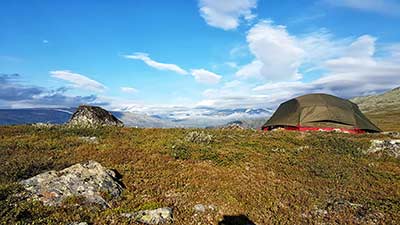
<point>267,177</point>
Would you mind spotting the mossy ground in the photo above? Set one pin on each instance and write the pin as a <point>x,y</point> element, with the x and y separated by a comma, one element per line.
<point>269,177</point>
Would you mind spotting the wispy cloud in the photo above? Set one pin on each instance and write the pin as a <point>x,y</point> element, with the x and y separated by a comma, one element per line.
<point>78,80</point>
<point>129,90</point>
<point>391,7</point>
<point>226,14</point>
<point>205,76</point>
<point>157,65</point>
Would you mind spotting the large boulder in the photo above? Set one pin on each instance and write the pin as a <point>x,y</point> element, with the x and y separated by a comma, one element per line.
<point>93,116</point>
<point>89,180</point>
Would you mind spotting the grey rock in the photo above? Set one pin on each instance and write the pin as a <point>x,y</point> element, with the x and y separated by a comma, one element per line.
<point>93,116</point>
<point>88,180</point>
<point>43,125</point>
<point>390,147</point>
<point>92,140</point>
<point>394,134</point>
<point>156,216</point>
<point>199,137</point>
<point>199,208</point>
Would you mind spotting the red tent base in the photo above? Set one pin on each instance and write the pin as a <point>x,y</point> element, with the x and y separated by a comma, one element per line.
<point>324,129</point>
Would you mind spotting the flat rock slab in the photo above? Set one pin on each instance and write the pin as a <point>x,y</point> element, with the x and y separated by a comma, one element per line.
<point>88,180</point>
<point>156,216</point>
<point>389,147</point>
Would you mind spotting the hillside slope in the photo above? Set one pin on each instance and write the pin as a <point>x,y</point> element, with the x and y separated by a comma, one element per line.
<point>382,109</point>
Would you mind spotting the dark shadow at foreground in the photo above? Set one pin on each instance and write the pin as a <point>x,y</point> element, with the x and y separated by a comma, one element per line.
<point>118,178</point>
<point>236,220</point>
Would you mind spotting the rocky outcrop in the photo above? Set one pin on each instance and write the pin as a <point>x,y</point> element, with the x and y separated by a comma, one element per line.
<point>156,216</point>
<point>394,134</point>
<point>233,126</point>
<point>89,180</point>
<point>388,147</point>
<point>93,116</point>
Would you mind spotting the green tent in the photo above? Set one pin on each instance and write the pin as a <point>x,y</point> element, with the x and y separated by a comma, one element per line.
<point>320,112</point>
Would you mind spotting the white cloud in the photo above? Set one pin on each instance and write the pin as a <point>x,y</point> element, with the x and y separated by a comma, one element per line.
<point>390,7</point>
<point>394,51</point>
<point>278,54</point>
<point>78,80</point>
<point>321,45</point>
<point>226,14</point>
<point>353,69</point>
<point>205,76</point>
<point>129,90</point>
<point>232,65</point>
<point>363,47</point>
<point>252,69</point>
<point>157,65</point>
<point>356,73</point>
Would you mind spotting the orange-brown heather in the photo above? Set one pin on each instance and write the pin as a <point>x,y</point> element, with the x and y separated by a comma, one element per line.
<point>269,177</point>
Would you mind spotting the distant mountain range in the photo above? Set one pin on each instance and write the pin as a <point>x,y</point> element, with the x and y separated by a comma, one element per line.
<point>190,117</point>
<point>39,115</point>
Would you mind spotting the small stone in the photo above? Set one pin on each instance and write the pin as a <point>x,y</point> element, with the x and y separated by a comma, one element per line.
<point>43,125</point>
<point>92,140</point>
<point>156,216</point>
<point>199,208</point>
<point>212,207</point>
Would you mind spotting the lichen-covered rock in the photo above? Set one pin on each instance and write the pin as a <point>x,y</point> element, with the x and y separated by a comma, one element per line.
<point>92,140</point>
<point>89,180</point>
<point>43,125</point>
<point>93,116</point>
<point>199,137</point>
<point>199,208</point>
<point>156,216</point>
<point>389,147</point>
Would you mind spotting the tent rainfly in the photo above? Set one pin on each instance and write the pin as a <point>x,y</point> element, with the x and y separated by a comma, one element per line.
<point>320,112</point>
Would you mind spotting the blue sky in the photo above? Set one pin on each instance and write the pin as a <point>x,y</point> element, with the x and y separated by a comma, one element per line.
<point>147,54</point>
